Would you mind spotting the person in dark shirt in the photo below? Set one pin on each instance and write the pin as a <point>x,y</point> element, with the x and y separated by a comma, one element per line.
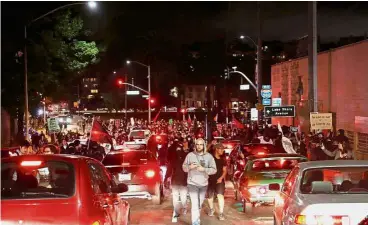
<point>216,182</point>
<point>178,178</point>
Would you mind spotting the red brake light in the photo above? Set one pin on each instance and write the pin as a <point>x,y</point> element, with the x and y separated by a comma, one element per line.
<point>30,163</point>
<point>300,219</point>
<point>150,173</point>
<point>261,153</point>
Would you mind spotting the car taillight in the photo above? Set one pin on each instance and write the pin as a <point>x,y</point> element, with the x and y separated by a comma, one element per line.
<point>30,163</point>
<point>150,173</point>
<point>261,153</point>
<point>321,220</point>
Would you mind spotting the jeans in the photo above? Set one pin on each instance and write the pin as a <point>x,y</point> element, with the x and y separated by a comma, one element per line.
<point>179,198</point>
<point>197,195</point>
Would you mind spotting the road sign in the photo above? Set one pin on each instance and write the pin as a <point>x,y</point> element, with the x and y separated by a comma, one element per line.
<point>253,114</point>
<point>132,92</point>
<point>266,101</point>
<point>266,93</point>
<point>276,101</point>
<point>259,107</point>
<point>266,87</point>
<point>279,111</point>
<point>244,87</point>
<point>53,125</point>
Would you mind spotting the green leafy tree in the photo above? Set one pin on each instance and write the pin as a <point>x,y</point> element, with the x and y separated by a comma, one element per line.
<point>59,56</point>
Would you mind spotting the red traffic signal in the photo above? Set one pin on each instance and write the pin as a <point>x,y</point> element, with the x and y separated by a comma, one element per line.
<point>152,100</point>
<point>120,81</point>
<point>183,110</point>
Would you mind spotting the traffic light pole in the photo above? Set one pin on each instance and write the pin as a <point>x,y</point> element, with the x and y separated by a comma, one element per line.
<point>259,58</point>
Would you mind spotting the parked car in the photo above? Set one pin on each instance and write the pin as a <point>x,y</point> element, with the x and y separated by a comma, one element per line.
<point>60,189</point>
<point>259,172</point>
<point>323,192</point>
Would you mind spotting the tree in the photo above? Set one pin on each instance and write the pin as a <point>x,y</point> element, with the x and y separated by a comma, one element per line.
<point>59,56</point>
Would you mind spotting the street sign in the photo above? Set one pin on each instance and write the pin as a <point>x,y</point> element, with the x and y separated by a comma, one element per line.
<point>266,87</point>
<point>259,107</point>
<point>244,87</point>
<point>266,93</point>
<point>53,125</point>
<point>266,101</point>
<point>253,114</point>
<point>276,101</point>
<point>145,96</point>
<point>132,92</point>
<point>279,111</point>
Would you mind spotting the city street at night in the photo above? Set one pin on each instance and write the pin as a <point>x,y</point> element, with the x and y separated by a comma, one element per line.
<point>185,112</point>
<point>145,213</point>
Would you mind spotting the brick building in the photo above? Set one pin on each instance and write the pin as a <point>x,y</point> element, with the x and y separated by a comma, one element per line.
<point>342,90</point>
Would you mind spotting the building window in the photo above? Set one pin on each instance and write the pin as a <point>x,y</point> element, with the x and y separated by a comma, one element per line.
<point>95,85</point>
<point>94,91</point>
<point>85,85</point>
<point>90,96</point>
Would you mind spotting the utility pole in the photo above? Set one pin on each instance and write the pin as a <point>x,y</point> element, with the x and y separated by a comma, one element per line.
<point>26,116</point>
<point>126,99</point>
<point>312,57</point>
<point>259,58</point>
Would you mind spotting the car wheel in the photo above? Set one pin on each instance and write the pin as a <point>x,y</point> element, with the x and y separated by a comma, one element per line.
<point>157,197</point>
<point>247,207</point>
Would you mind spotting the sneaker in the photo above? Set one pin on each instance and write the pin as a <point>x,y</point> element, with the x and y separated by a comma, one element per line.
<point>174,219</point>
<point>221,216</point>
<point>212,212</point>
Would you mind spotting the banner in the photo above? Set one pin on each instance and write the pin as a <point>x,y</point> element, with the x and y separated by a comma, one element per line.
<point>53,125</point>
<point>321,121</point>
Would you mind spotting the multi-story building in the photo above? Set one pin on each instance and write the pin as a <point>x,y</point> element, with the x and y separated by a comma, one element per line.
<point>90,89</point>
<point>196,96</point>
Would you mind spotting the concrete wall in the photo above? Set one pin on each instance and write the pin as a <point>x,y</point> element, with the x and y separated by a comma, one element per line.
<point>342,90</point>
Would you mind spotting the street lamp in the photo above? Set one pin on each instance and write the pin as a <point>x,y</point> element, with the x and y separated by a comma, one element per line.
<point>149,85</point>
<point>91,5</point>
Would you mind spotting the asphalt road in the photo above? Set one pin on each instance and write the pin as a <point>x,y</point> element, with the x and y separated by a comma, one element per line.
<point>143,212</point>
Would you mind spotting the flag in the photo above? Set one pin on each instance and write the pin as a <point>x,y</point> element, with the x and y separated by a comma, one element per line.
<point>156,117</point>
<point>99,134</point>
<point>237,123</point>
<point>189,119</point>
<point>215,118</point>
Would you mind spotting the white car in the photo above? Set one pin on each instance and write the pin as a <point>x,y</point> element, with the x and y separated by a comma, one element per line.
<point>139,135</point>
<point>331,192</point>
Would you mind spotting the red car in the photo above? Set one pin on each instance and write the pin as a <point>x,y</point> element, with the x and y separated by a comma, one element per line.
<point>60,189</point>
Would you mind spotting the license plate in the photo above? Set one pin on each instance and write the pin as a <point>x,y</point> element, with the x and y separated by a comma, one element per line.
<point>124,177</point>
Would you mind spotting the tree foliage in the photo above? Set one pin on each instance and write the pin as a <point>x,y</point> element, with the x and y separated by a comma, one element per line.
<point>59,55</point>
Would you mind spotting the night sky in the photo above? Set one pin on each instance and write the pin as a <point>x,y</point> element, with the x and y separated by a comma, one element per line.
<point>127,26</point>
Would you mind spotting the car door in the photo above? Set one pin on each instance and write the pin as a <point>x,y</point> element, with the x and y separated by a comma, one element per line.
<point>284,199</point>
<point>101,186</point>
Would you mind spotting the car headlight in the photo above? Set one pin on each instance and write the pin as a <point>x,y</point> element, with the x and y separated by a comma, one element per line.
<point>68,120</point>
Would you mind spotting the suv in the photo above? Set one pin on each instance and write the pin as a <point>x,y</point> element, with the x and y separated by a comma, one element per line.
<point>139,170</point>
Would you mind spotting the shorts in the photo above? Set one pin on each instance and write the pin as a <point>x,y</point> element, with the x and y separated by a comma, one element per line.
<point>214,188</point>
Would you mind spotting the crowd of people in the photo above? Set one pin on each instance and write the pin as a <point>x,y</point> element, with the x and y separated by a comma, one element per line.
<point>196,168</point>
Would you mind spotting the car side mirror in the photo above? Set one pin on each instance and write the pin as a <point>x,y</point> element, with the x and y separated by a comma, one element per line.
<point>274,187</point>
<point>120,188</point>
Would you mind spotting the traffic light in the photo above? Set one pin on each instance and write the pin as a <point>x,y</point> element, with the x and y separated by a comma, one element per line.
<point>152,100</point>
<point>120,82</point>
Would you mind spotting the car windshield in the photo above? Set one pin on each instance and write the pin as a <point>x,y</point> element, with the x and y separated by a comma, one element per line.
<point>129,158</point>
<point>50,179</point>
<point>263,165</point>
<point>351,180</point>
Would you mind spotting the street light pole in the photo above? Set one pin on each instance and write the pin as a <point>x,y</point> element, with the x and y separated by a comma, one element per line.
<point>149,95</point>
<point>91,4</point>
<point>26,116</point>
<point>149,86</point>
